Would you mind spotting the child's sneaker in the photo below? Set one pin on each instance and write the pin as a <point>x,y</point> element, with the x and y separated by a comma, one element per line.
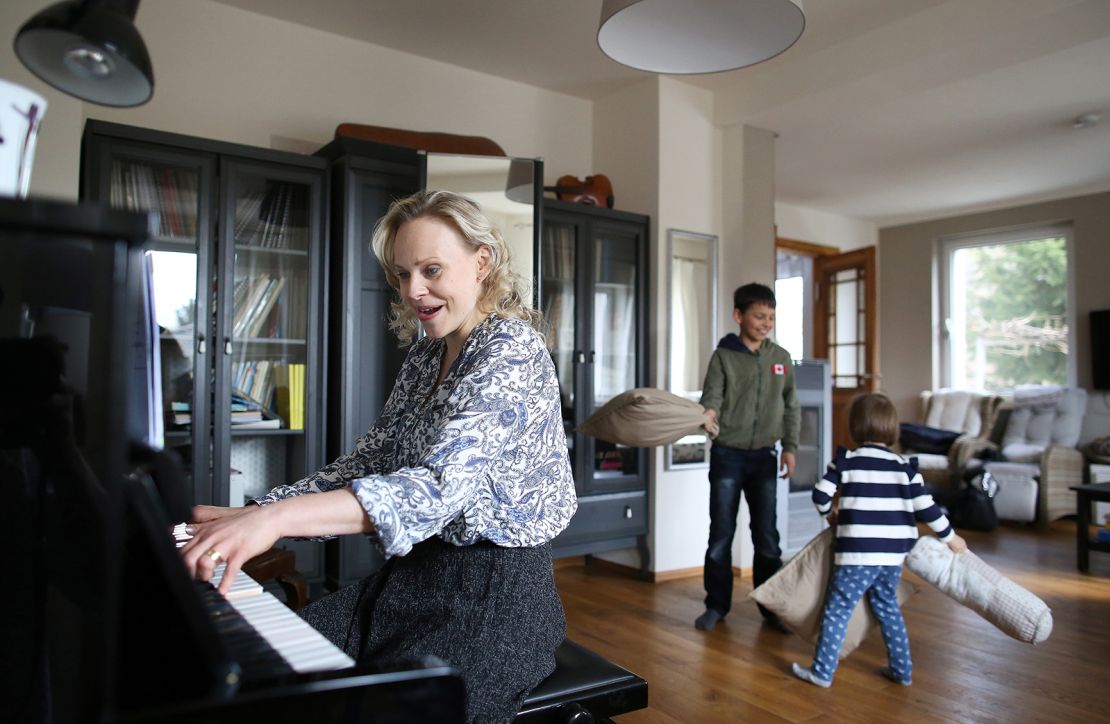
<point>889,673</point>
<point>806,674</point>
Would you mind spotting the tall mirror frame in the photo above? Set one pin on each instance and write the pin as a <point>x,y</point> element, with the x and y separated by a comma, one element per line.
<point>508,191</point>
<point>692,332</point>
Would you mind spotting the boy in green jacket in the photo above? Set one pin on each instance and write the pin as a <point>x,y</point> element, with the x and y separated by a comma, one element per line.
<point>752,404</point>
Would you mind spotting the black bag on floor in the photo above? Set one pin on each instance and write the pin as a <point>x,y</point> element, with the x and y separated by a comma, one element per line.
<point>972,508</point>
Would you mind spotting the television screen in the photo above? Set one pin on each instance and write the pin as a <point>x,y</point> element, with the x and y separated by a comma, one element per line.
<point>1100,348</point>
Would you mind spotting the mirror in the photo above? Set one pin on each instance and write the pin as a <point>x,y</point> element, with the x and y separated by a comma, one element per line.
<point>505,189</point>
<point>692,331</point>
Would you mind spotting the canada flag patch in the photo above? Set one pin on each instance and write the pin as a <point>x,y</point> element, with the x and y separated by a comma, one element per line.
<point>778,369</point>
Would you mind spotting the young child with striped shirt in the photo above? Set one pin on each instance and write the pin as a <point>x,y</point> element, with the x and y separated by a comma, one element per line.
<point>880,497</point>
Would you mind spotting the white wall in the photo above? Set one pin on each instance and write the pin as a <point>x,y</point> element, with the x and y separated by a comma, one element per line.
<point>227,74</point>
<point>821,227</point>
<point>690,163</point>
<point>658,143</point>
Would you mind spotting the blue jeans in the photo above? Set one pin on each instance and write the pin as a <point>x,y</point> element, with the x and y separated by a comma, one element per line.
<point>754,473</point>
<point>846,587</point>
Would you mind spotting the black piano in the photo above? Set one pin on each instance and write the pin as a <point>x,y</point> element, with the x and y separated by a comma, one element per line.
<point>101,622</point>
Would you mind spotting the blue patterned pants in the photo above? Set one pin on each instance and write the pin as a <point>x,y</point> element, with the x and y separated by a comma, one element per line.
<point>846,587</point>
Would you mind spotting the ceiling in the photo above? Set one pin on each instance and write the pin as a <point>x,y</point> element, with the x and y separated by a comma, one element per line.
<point>886,110</point>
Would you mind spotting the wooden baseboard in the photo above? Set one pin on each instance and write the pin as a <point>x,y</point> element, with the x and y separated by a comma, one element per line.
<point>567,562</point>
<point>674,574</point>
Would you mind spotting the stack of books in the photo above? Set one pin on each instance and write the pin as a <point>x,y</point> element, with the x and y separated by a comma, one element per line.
<point>290,394</point>
<point>257,312</point>
<point>182,413</point>
<point>248,414</point>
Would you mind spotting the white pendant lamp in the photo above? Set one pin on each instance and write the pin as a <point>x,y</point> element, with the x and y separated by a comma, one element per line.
<point>697,36</point>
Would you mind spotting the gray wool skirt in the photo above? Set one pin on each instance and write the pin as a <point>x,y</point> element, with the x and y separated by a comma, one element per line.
<point>491,612</point>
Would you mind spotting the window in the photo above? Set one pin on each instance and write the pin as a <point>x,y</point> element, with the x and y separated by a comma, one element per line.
<point>793,313</point>
<point>1006,311</point>
<point>789,329</point>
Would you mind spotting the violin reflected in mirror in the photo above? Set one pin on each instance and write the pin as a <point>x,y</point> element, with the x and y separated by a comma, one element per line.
<point>595,190</point>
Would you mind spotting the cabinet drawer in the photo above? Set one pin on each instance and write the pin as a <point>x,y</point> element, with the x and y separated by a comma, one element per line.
<point>607,516</point>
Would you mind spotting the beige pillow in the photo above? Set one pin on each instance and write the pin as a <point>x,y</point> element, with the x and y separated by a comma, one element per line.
<point>644,417</point>
<point>797,594</point>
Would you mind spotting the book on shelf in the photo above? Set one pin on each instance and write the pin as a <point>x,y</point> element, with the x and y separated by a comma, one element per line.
<point>290,394</point>
<point>181,413</point>
<point>256,299</point>
<point>270,218</point>
<point>270,424</point>
<point>167,194</point>
<point>249,413</point>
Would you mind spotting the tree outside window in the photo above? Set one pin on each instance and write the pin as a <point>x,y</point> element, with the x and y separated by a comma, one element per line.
<point>1008,315</point>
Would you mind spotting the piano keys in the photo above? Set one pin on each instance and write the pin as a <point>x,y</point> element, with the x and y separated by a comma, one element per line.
<point>246,657</point>
<point>302,647</point>
<point>298,644</point>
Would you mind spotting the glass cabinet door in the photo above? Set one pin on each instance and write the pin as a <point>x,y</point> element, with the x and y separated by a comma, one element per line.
<point>559,305</point>
<point>268,291</point>
<point>615,340</point>
<point>171,189</point>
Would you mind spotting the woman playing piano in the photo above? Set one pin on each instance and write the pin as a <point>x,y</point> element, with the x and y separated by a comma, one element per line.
<point>462,481</point>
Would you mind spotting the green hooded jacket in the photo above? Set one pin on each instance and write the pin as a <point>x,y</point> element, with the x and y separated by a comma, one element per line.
<point>753,394</point>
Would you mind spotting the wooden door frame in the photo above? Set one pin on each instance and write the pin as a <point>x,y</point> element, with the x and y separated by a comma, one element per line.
<point>864,258</point>
<point>859,258</point>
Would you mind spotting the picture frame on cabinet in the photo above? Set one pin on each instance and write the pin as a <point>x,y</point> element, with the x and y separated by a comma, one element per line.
<point>691,451</point>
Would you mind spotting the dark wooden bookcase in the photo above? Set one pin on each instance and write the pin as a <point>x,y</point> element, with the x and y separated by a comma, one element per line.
<point>593,293</point>
<point>238,241</point>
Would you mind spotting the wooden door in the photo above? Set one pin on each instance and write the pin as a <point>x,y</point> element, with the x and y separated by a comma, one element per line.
<point>844,329</point>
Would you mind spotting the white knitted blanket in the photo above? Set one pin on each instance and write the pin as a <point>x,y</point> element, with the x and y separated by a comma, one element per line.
<point>967,578</point>
<point>1037,395</point>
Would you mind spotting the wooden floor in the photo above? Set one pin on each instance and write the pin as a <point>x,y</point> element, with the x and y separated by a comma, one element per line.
<point>965,669</point>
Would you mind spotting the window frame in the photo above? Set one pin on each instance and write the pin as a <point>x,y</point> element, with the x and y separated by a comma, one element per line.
<point>946,246</point>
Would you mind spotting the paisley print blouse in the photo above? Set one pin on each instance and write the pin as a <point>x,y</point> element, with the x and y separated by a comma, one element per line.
<point>482,456</point>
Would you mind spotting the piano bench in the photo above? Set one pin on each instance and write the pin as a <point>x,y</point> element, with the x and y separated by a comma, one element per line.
<point>280,564</point>
<point>584,688</point>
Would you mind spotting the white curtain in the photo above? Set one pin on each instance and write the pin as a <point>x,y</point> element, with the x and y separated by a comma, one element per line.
<point>690,333</point>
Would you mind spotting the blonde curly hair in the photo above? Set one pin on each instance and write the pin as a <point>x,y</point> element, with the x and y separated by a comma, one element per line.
<point>501,293</point>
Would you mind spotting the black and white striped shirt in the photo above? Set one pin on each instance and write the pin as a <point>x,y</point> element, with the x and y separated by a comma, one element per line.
<point>882,497</point>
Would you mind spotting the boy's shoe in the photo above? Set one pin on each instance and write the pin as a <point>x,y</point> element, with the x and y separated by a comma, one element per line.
<point>806,674</point>
<point>707,620</point>
<point>889,673</point>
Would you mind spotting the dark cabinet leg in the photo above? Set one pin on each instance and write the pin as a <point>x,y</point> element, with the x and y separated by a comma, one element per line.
<point>1083,531</point>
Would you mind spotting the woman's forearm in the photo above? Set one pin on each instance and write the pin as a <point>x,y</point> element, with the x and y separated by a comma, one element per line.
<point>336,512</point>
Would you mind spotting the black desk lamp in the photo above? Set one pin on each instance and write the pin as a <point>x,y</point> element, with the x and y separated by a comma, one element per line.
<point>89,49</point>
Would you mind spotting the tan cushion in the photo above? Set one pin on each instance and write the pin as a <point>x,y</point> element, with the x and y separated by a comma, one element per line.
<point>960,410</point>
<point>644,417</point>
<point>797,594</point>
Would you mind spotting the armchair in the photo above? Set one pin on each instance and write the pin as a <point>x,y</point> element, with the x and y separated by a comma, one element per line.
<point>970,412</point>
<point>1037,460</point>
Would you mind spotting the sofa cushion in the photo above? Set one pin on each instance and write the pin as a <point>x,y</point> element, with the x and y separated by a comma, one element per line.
<point>961,410</point>
<point>926,439</point>
<point>644,417</point>
<point>1039,421</point>
<point>1016,498</point>
<point>931,461</point>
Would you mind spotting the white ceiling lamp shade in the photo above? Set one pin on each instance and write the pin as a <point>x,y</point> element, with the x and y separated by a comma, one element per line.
<point>685,37</point>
